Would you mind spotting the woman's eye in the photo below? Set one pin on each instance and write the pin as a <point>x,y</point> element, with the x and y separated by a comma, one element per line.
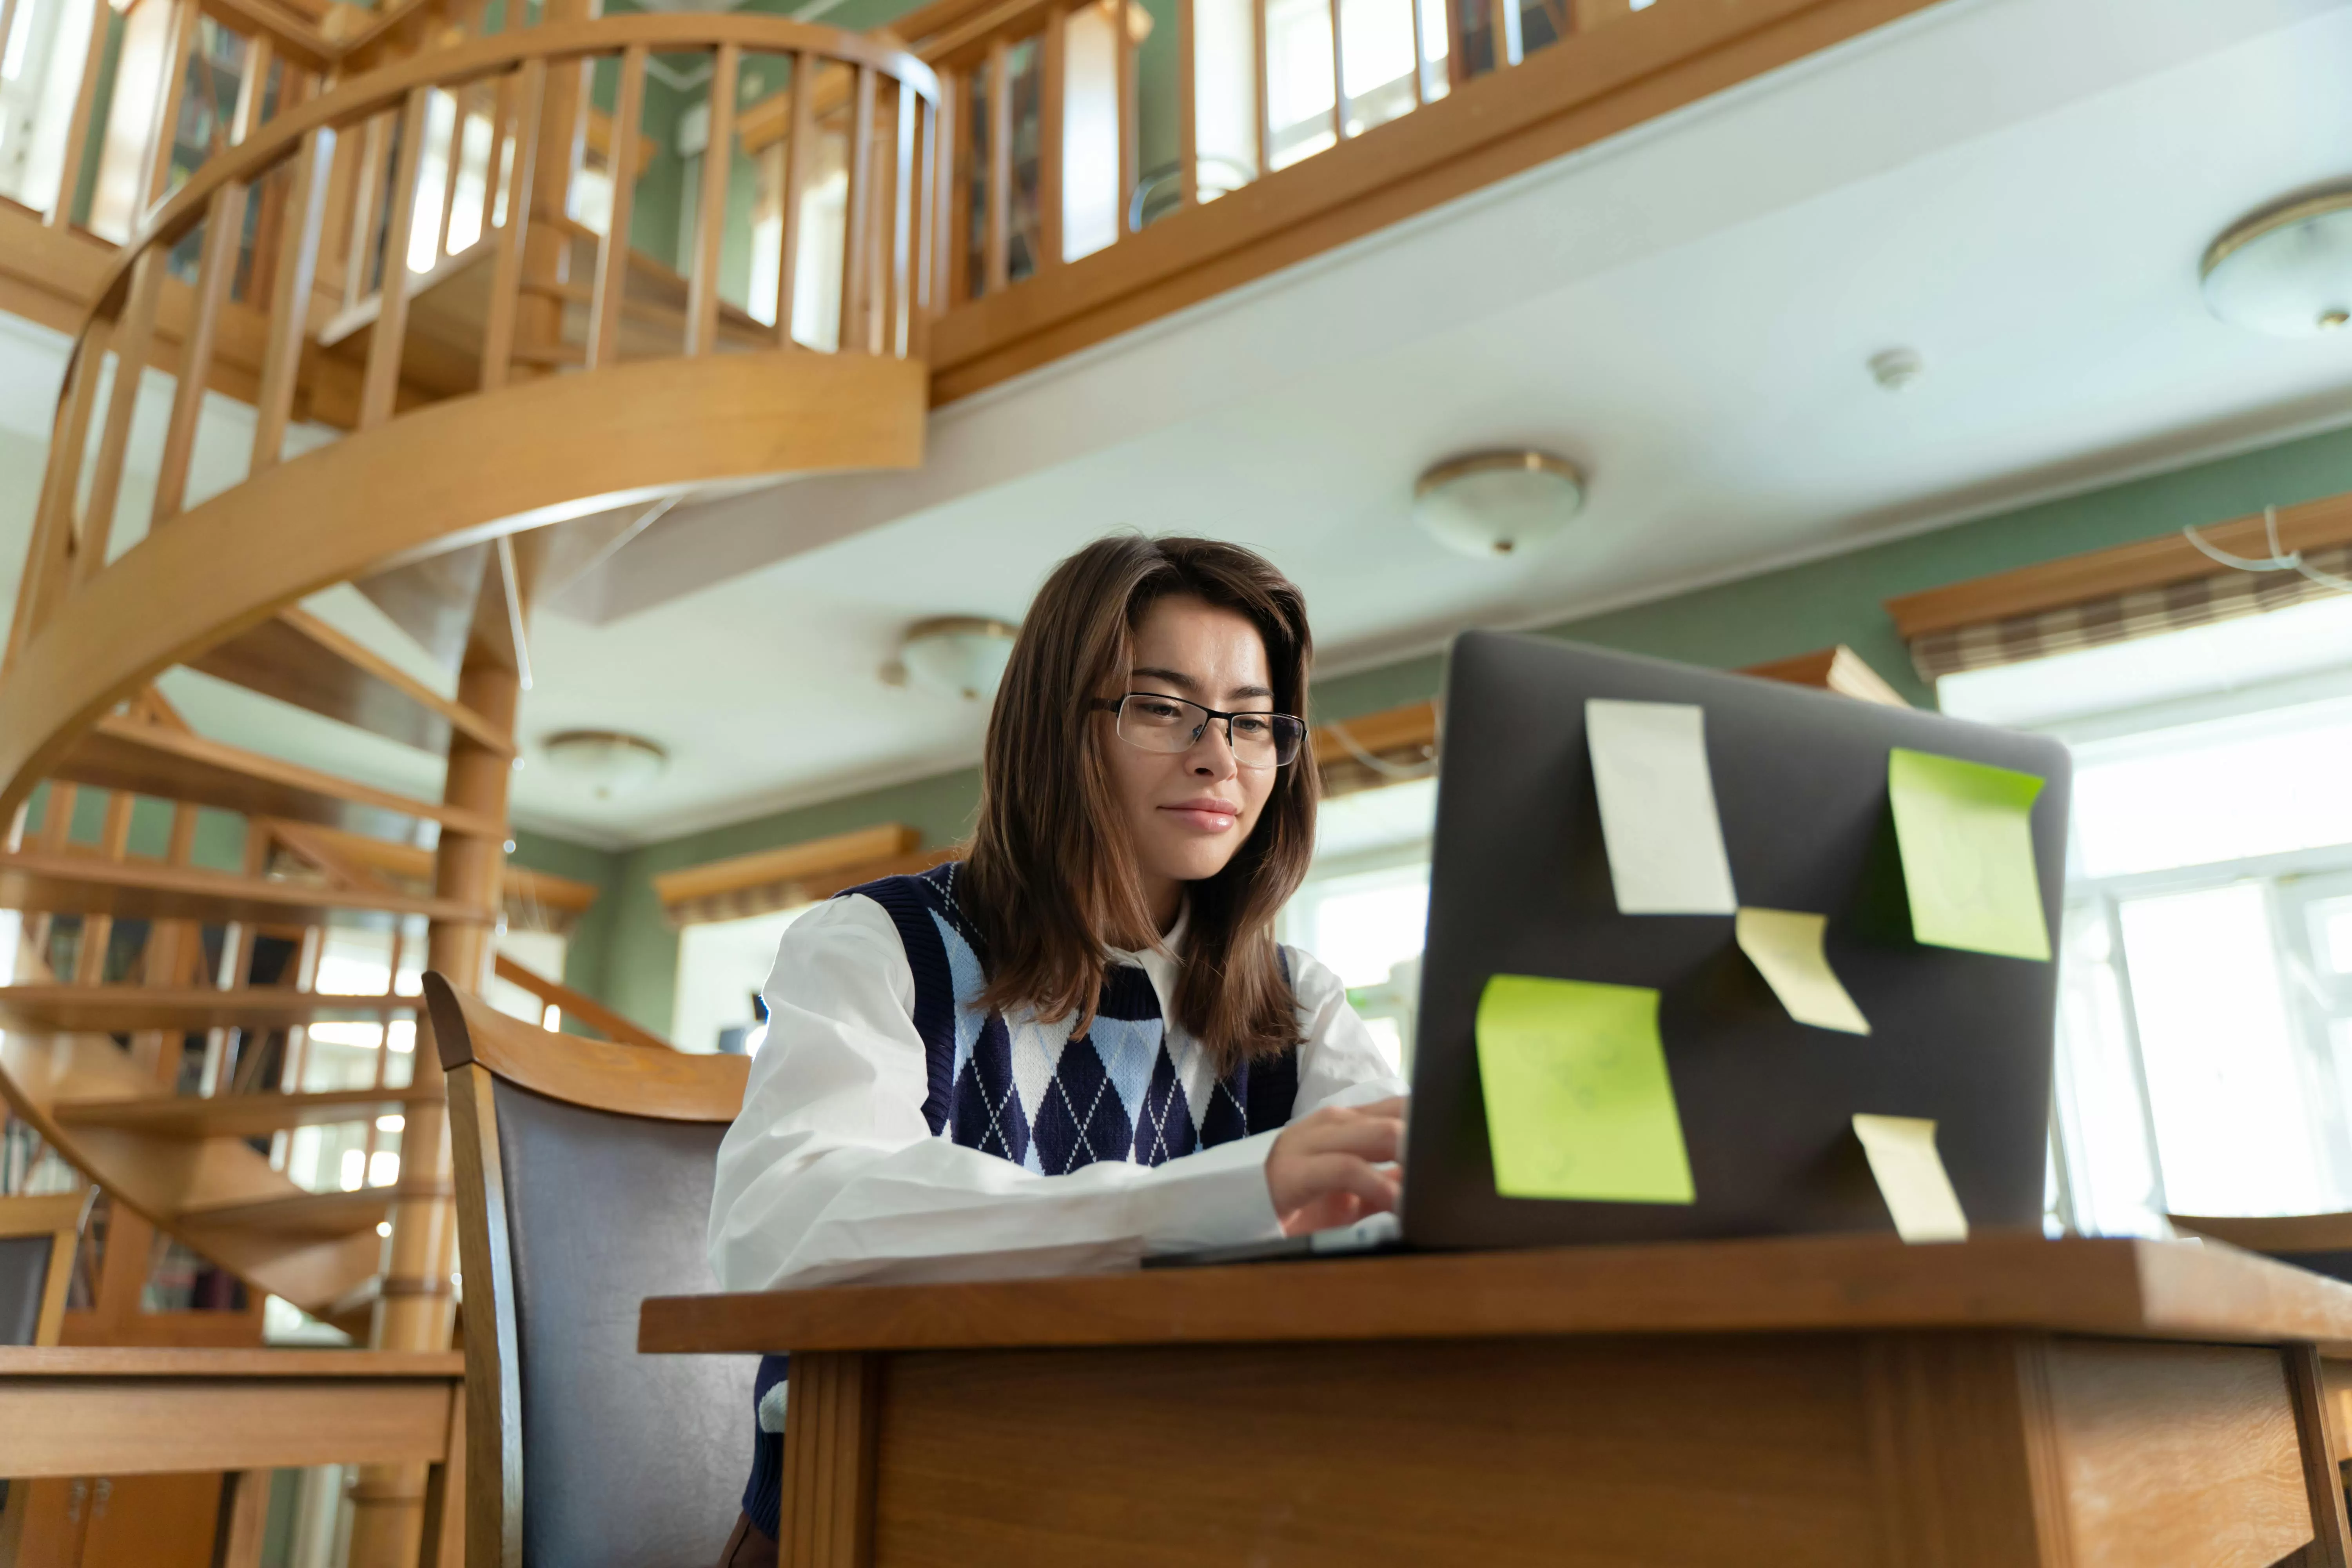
<point>1168,711</point>
<point>1253,725</point>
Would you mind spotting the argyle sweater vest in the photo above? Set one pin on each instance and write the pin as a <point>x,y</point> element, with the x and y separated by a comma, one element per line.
<point>1133,1087</point>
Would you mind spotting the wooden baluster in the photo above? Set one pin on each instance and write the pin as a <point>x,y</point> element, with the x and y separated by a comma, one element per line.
<point>798,143</point>
<point>1053,87</point>
<point>379,382</point>
<point>291,276</point>
<point>1130,123</point>
<point>898,326</point>
<point>613,250</point>
<point>927,246</point>
<point>450,159</point>
<point>1339,82</point>
<point>85,106</point>
<point>997,262</point>
<point>502,111</point>
<point>874,333</point>
<point>1509,47</point>
<point>216,270</point>
<point>134,342</point>
<point>252,89</point>
<point>530,93</point>
<point>223,228</point>
<point>50,559</point>
<point>157,175</point>
<point>955,190</point>
<point>1264,124</point>
<point>710,214</point>
<point>857,233</point>
<point>359,256</point>
<point>270,191</point>
<point>1188,130</point>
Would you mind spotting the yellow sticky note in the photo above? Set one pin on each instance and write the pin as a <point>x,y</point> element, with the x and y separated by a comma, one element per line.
<point>1966,833</point>
<point>1787,950</point>
<point>1577,1102</point>
<point>1911,1177</point>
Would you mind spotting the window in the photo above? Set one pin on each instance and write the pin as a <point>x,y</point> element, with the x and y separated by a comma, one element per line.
<point>722,966</point>
<point>1364,908</point>
<point>2205,1021</point>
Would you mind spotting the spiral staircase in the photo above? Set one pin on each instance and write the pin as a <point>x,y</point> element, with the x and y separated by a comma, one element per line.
<point>506,416</point>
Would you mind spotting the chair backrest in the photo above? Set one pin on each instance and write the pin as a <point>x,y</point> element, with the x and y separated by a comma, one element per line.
<point>38,1236</point>
<point>583,1186</point>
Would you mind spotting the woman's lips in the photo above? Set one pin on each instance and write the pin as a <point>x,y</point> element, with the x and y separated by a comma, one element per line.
<point>1204,817</point>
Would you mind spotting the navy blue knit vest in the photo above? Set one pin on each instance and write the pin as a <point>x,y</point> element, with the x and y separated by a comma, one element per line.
<point>1025,1091</point>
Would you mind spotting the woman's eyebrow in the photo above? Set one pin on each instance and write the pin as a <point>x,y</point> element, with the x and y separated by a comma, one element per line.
<point>1152,672</point>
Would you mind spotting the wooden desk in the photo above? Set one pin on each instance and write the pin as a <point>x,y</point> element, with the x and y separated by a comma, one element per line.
<point>66,1413</point>
<point>2006,1402</point>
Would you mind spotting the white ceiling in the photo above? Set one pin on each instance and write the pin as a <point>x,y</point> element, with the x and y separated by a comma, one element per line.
<point>2019,189</point>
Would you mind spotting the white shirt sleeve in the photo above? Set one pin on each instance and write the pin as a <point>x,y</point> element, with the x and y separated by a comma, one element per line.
<point>830,1173</point>
<point>1338,1062</point>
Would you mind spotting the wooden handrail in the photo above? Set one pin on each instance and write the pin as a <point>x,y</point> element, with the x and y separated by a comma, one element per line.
<point>579,1006</point>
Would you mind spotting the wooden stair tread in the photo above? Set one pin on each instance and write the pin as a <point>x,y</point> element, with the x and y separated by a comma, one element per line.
<point>112,1009</point>
<point>300,659</point>
<point>309,1213</point>
<point>238,1115</point>
<point>124,753</point>
<point>76,884</point>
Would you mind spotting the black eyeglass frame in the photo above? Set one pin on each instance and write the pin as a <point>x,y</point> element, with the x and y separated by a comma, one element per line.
<point>1113,705</point>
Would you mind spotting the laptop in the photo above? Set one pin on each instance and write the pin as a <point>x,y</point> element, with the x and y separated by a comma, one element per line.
<point>1520,884</point>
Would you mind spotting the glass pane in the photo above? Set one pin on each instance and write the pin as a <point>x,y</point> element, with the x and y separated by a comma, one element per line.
<point>2111,1174</point>
<point>1224,95</point>
<point>1298,78</point>
<point>1378,54</point>
<point>1090,174</point>
<point>2333,921</point>
<point>1364,927</point>
<point>1024,76</point>
<point>2224,1088</point>
<point>2219,791</point>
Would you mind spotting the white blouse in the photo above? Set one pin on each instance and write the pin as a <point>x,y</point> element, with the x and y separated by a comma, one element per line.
<point>831,1172</point>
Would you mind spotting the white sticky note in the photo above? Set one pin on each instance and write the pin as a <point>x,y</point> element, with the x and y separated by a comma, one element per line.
<point>1911,1177</point>
<point>1657,808</point>
<point>1787,950</point>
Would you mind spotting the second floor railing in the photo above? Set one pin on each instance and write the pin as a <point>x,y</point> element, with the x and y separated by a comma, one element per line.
<point>543,288</point>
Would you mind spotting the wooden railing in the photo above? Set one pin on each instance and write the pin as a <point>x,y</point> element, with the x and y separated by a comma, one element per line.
<point>557,293</point>
<point>559,1004</point>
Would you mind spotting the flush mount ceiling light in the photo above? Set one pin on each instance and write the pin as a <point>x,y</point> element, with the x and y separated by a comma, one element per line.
<point>2286,272</point>
<point>609,764</point>
<point>1494,504</point>
<point>956,656</point>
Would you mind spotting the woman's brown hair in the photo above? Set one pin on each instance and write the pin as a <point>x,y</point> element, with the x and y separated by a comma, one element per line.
<point>1051,880</point>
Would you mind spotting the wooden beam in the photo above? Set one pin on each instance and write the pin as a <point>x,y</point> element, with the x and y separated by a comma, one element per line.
<point>791,862</point>
<point>2124,569</point>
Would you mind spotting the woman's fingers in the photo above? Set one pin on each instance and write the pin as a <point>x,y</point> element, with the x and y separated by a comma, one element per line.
<point>1377,1139</point>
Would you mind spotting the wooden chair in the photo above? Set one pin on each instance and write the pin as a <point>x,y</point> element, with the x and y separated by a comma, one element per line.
<point>37,1237</point>
<point>584,1172</point>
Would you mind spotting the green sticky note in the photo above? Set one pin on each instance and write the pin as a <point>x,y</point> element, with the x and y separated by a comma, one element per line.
<point>1966,837</point>
<point>1577,1102</point>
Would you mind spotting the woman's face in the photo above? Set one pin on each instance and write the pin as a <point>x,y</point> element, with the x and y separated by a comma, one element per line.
<point>1187,812</point>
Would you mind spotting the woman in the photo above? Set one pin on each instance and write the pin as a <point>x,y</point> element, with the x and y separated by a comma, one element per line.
<point>1080,1043</point>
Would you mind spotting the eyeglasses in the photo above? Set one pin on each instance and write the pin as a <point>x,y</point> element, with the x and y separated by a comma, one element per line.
<point>1172,724</point>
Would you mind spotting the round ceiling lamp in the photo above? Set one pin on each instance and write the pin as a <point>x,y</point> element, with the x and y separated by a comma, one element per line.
<point>2286,272</point>
<point>956,656</point>
<point>1497,504</point>
<point>609,763</point>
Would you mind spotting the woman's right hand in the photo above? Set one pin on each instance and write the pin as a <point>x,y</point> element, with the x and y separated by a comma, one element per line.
<point>1337,1166</point>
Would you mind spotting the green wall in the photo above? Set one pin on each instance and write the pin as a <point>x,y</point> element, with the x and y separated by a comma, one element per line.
<point>1771,615</point>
